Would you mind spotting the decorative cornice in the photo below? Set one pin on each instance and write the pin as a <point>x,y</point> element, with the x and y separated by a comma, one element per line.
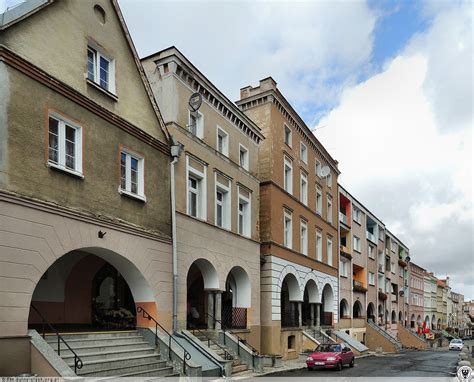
<point>84,216</point>
<point>39,75</point>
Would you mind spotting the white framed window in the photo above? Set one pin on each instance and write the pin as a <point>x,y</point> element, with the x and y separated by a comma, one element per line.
<point>303,153</point>
<point>393,246</point>
<point>303,238</point>
<point>132,174</point>
<point>356,242</point>
<point>196,189</point>
<point>319,246</point>
<point>392,267</point>
<point>329,180</point>
<point>288,176</point>
<point>196,123</point>
<point>318,168</point>
<point>343,268</point>
<point>304,188</point>
<point>222,202</point>
<point>288,137</point>
<point>356,215</point>
<point>371,278</point>
<point>288,230</point>
<point>100,69</point>
<point>319,201</point>
<point>371,252</point>
<point>243,157</point>
<point>222,143</point>
<point>64,144</point>
<point>244,214</point>
<point>329,250</point>
<point>329,212</point>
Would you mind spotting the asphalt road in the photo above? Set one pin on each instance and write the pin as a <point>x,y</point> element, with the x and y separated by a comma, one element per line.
<point>428,363</point>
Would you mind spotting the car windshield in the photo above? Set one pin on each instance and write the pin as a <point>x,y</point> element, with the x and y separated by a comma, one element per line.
<point>328,348</point>
<point>456,341</point>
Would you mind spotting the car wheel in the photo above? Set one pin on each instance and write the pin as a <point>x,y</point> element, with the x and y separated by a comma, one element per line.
<point>339,366</point>
<point>310,368</point>
<point>352,363</point>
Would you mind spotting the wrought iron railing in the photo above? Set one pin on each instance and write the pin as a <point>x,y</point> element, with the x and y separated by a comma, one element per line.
<point>77,360</point>
<point>240,340</point>
<point>234,318</point>
<point>210,341</point>
<point>148,316</point>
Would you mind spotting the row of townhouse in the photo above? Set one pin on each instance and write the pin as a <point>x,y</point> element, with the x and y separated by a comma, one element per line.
<point>123,203</point>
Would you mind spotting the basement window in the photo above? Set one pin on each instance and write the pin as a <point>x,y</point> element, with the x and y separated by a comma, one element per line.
<point>291,342</point>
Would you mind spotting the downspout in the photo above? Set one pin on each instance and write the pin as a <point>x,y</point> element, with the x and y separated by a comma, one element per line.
<point>176,150</point>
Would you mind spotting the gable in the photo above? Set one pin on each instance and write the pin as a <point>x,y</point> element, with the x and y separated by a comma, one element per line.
<point>56,40</point>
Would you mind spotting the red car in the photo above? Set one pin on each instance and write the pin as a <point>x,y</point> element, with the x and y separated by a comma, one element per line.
<point>330,356</point>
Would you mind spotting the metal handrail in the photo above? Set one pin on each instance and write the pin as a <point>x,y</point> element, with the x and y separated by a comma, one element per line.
<point>148,316</point>
<point>239,339</point>
<point>227,355</point>
<point>77,360</point>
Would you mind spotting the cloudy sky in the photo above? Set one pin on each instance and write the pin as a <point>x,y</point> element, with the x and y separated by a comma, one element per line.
<point>387,84</point>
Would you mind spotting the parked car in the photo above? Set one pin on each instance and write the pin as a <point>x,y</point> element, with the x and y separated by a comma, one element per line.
<point>330,356</point>
<point>456,344</point>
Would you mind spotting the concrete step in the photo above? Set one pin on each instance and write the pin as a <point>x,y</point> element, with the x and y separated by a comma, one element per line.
<point>95,335</point>
<point>161,372</point>
<point>91,341</point>
<point>104,348</point>
<point>96,356</point>
<point>119,363</point>
<point>239,369</point>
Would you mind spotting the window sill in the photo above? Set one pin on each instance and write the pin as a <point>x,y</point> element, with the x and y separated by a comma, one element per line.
<point>58,167</point>
<point>101,89</point>
<point>344,276</point>
<point>372,258</point>
<point>132,196</point>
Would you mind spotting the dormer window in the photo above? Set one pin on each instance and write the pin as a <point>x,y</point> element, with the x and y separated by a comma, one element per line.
<point>100,69</point>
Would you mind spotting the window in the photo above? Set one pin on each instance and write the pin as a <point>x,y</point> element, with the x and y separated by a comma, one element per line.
<point>288,176</point>
<point>196,124</point>
<point>319,201</point>
<point>288,239</point>
<point>392,267</point>
<point>329,217</point>
<point>329,180</point>
<point>319,247</point>
<point>244,224</point>
<point>318,168</point>
<point>64,145</point>
<point>371,252</point>
<point>304,189</point>
<point>287,135</point>
<point>343,268</point>
<point>356,242</point>
<point>222,202</point>
<point>196,188</point>
<point>303,153</point>
<point>371,278</point>
<point>394,246</point>
<point>243,157</point>
<point>131,174</point>
<point>356,215</point>
<point>303,238</point>
<point>222,142</point>
<point>329,243</point>
<point>100,69</point>
<point>381,234</point>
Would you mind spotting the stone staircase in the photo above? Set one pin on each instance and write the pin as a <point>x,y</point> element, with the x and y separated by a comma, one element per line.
<point>397,345</point>
<point>112,354</point>
<point>209,339</point>
<point>318,336</point>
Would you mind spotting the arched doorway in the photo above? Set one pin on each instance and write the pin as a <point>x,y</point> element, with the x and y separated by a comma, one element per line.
<point>394,317</point>
<point>419,322</point>
<point>344,309</point>
<point>412,321</point>
<point>91,289</point>
<point>371,312</point>
<point>289,297</point>
<point>433,322</point>
<point>202,281</point>
<point>327,306</point>
<point>236,299</point>
<point>439,324</point>
<point>308,308</point>
<point>357,310</point>
<point>427,322</point>
<point>400,317</point>
<point>380,314</point>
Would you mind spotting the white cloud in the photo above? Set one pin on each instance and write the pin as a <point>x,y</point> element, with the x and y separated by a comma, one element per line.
<point>403,139</point>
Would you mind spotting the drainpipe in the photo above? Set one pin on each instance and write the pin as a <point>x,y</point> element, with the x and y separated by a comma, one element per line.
<point>176,150</point>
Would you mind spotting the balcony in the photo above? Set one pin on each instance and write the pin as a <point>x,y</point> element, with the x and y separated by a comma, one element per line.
<point>402,263</point>
<point>371,237</point>
<point>382,295</point>
<point>343,219</point>
<point>346,252</point>
<point>357,286</point>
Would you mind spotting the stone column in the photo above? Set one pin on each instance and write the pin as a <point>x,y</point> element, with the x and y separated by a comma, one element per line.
<point>318,315</point>
<point>218,308</point>
<point>210,309</point>
<point>300,314</point>
<point>311,313</point>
